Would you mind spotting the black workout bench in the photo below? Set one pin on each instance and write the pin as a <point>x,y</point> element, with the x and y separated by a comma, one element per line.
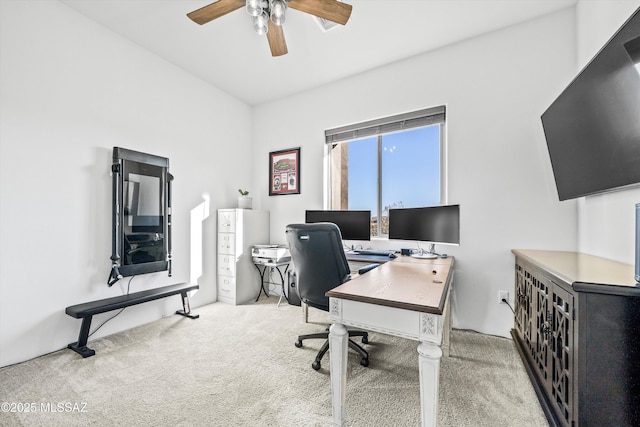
<point>87,310</point>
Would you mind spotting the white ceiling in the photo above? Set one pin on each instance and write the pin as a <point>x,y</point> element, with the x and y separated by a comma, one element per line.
<point>229,55</point>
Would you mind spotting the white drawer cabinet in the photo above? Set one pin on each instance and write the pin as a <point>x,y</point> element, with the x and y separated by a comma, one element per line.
<point>238,231</point>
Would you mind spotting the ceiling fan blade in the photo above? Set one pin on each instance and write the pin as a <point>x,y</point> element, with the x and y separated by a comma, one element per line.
<point>277,43</point>
<point>331,10</point>
<point>214,10</point>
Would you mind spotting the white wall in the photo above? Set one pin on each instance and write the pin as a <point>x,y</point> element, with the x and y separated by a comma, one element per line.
<point>71,90</point>
<point>607,221</point>
<point>495,88</point>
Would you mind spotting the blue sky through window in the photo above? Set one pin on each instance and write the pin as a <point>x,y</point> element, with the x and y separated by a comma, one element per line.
<point>410,170</point>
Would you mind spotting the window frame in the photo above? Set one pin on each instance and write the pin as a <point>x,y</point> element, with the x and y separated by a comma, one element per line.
<point>380,128</point>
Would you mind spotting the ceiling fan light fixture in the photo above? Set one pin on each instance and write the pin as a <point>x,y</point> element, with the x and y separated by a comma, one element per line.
<point>261,24</point>
<point>254,7</point>
<point>268,16</point>
<point>278,11</point>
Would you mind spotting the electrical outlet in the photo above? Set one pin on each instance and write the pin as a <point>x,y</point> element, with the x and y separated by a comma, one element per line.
<point>503,295</point>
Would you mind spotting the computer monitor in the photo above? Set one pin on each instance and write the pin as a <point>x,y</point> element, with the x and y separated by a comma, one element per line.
<point>353,224</point>
<point>435,224</point>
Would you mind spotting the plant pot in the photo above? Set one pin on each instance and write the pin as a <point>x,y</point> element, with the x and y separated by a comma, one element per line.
<point>245,202</point>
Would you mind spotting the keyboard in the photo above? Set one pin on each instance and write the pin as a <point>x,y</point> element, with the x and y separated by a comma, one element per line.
<point>380,252</point>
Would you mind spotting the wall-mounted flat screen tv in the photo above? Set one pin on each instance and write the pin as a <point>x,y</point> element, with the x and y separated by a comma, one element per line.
<point>593,128</point>
<point>353,224</point>
<point>637,276</point>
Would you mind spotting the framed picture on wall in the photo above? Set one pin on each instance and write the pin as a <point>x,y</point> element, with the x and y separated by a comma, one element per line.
<point>284,172</point>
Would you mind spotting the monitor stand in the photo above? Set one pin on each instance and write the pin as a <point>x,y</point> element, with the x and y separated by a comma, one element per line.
<point>426,254</point>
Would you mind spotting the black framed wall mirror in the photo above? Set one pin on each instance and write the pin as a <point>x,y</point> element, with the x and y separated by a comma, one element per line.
<point>141,224</point>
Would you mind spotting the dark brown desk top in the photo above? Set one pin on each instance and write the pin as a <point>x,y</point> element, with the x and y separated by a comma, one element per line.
<point>407,283</point>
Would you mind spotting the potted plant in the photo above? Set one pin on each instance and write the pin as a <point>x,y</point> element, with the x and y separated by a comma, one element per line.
<point>244,201</point>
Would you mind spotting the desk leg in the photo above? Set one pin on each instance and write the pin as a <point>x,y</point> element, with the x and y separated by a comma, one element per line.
<point>261,281</point>
<point>283,284</point>
<point>446,327</point>
<point>338,347</point>
<point>429,366</point>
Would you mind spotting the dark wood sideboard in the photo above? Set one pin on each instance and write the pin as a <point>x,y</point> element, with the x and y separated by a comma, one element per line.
<point>577,329</point>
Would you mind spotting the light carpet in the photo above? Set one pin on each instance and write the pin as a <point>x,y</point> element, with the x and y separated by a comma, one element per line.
<point>238,366</point>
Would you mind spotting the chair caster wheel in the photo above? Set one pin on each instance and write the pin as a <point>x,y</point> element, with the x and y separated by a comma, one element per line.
<point>365,340</point>
<point>315,365</point>
<point>298,343</point>
<point>364,362</point>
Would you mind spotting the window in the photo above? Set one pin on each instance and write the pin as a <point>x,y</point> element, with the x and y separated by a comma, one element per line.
<point>397,162</point>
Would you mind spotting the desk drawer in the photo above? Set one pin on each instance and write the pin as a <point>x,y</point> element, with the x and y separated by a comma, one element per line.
<point>226,265</point>
<point>226,243</point>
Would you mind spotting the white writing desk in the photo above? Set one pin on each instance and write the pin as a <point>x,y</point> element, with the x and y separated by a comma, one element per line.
<point>406,297</point>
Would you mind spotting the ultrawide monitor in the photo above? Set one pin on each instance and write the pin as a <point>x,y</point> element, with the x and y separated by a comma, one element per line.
<point>435,224</point>
<point>353,224</point>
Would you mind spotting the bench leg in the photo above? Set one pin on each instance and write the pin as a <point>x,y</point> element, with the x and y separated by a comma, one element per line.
<point>186,307</point>
<point>80,347</point>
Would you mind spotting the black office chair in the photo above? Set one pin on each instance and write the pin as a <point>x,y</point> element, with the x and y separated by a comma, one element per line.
<point>320,265</point>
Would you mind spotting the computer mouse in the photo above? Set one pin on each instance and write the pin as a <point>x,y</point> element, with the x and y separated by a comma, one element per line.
<point>392,256</point>
<point>444,256</point>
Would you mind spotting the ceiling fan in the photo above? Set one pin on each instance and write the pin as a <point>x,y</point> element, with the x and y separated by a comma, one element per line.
<point>268,15</point>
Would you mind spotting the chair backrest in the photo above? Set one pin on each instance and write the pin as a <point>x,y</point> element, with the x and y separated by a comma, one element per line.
<point>319,260</point>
